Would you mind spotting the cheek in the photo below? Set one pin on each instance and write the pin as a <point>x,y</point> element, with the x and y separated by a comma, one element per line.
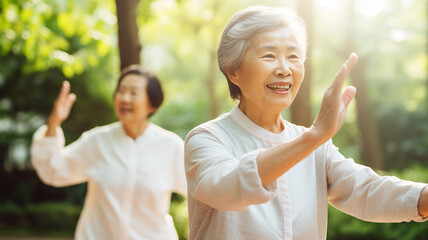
<point>299,72</point>
<point>115,100</point>
<point>116,103</point>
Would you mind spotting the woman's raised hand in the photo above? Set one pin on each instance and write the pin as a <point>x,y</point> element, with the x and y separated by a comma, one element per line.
<point>61,108</point>
<point>335,103</point>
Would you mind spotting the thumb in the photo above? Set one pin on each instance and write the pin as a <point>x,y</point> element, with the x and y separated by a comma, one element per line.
<point>72,97</point>
<point>348,95</point>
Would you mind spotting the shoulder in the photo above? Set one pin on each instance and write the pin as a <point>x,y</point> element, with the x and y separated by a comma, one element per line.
<point>102,131</point>
<point>217,126</point>
<point>161,134</point>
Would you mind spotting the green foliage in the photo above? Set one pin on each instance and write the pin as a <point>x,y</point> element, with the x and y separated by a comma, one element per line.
<point>60,218</point>
<point>404,136</point>
<point>178,211</point>
<point>44,43</point>
<point>45,218</point>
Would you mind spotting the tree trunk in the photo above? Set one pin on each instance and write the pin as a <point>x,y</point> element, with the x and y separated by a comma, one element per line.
<point>301,108</point>
<point>211,84</point>
<point>129,44</point>
<point>371,150</point>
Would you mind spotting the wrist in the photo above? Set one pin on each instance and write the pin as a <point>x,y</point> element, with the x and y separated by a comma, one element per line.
<point>423,202</point>
<point>53,122</point>
<point>52,125</point>
<point>315,136</point>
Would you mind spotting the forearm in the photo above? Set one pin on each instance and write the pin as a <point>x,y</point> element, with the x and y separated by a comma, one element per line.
<point>52,126</point>
<point>423,203</point>
<point>274,162</point>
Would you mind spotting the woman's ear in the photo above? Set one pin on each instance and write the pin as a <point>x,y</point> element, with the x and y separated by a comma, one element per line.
<point>232,77</point>
<point>150,109</point>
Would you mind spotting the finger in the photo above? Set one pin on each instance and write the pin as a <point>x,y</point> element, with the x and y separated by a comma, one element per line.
<point>352,60</point>
<point>65,90</point>
<point>343,73</point>
<point>348,95</point>
<point>339,79</point>
<point>71,98</point>
<point>69,101</point>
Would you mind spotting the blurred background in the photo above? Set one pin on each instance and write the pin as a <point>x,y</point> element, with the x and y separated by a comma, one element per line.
<point>43,42</point>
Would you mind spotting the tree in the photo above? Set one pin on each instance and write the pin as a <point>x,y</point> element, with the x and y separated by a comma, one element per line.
<point>371,151</point>
<point>129,43</point>
<point>301,107</point>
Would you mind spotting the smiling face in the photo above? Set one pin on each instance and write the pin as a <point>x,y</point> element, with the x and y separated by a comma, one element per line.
<point>271,71</point>
<point>131,103</point>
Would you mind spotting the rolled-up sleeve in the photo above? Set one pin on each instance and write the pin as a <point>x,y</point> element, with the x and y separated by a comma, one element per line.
<point>220,180</point>
<point>56,165</point>
<point>361,192</point>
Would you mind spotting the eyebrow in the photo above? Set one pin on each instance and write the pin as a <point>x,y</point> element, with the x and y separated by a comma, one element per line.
<point>274,47</point>
<point>130,87</point>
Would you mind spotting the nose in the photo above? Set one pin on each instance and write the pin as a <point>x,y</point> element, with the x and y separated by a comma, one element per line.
<point>126,97</point>
<point>283,69</point>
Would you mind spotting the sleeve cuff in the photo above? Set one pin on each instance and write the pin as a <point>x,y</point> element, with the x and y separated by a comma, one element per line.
<point>413,205</point>
<point>40,137</point>
<point>419,217</point>
<point>250,179</point>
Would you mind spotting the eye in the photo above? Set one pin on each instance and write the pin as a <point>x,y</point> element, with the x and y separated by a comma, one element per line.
<point>293,56</point>
<point>121,90</point>
<point>136,92</point>
<point>269,55</point>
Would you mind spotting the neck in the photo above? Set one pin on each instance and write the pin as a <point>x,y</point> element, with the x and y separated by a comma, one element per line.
<point>135,130</point>
<point>265,118</point>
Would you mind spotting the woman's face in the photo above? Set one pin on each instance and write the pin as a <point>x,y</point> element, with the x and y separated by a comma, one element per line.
<point>270,72</point>
<point>131,103</point>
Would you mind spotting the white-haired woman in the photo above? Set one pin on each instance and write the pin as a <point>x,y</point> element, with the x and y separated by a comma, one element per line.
<point>253,175</point>
<point>131,166</point>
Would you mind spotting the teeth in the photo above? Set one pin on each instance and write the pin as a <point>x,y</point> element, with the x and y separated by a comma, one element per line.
<point>279,87</point>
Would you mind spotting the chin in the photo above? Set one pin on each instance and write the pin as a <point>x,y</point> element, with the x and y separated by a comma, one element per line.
<point>280,104</point>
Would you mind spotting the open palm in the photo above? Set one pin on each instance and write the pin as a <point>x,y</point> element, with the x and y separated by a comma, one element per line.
<point>62,105</point>
<point>335,103</point>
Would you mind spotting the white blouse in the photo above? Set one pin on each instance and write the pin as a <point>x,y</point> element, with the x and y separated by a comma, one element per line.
<point>227,200</point>
<point>129,182</point>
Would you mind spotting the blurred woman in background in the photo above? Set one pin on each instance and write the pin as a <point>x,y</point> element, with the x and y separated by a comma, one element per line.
<point>131,166</point>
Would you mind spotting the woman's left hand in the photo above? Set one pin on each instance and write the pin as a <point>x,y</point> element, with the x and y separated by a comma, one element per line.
<point>335,103</point>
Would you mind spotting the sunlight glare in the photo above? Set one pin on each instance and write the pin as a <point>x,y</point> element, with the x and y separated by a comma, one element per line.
<point>398,35</point>
<point>370,8</point>
<point>207,15</point>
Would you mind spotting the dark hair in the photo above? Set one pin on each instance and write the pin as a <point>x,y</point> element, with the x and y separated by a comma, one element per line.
<point>154,88</point>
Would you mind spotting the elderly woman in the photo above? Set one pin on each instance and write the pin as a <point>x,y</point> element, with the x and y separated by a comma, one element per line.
<point>253,175</point>
<point>131,166</point>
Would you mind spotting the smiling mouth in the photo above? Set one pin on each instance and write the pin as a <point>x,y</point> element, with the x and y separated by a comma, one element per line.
<point>277,87</point>
<point>125,110</point>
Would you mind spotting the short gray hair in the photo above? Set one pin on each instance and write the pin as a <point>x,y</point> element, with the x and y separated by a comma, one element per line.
<point>244,24</point>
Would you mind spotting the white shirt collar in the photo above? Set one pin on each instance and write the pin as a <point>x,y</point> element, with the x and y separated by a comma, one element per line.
<point>256,130</point>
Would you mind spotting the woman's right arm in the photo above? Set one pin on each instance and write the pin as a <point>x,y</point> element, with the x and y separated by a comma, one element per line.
<point>220,180</point>
<point>61,109</point>
<point>55,165</point>
<point>276,161</point>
